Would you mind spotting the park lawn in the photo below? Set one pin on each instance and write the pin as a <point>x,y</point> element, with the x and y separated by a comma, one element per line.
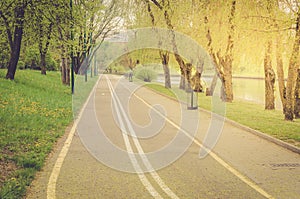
<point>34,112</point>
<point>251,115</point>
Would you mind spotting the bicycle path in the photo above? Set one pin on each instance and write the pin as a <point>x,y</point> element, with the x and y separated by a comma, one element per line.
<point>241,165</point>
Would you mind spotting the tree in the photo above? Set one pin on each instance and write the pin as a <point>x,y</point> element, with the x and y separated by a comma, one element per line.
<point>280,73</point>
<point>213,23</point>
<point>164,55</point>
<point>297,96</point>
<point>164,6</point>
<point>41,28</point>
<point>45,31</point>
<point>269,79</point>
<point>292,71</point>
<point>271,22</point>
<point>94,21</point>
<point>268,69</point>
<point>224,62</point>
<point>12,14</point>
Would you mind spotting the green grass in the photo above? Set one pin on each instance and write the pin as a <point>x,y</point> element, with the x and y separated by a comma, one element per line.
<point>161,89</point>
<point>251,115</point>
<point>34,112</point>
<point>81,92</point>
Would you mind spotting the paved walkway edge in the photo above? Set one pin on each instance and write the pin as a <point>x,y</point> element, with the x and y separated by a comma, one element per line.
<point>246,128</point>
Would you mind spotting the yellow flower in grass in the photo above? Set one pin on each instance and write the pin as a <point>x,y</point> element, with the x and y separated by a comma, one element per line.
<point>4,102</point>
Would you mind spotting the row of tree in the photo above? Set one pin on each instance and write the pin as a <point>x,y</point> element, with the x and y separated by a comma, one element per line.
<point>64,26</point>
<point>239,35</point>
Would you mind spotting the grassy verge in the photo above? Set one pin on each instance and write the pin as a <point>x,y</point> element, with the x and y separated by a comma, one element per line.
<point>34,112</point>
<point>81,92</point>
<point>251,115</point>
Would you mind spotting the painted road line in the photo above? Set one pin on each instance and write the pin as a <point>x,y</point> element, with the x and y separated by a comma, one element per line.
<point>212,154</point>
<point>145,160</point>
<point>51,187</point>
<point>133,160</point>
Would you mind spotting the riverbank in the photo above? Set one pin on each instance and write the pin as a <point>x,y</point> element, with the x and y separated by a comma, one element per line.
<point>251,115</point>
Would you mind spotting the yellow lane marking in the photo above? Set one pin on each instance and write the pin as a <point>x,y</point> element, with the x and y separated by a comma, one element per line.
<point>51,187</point>
<point>213,155</point>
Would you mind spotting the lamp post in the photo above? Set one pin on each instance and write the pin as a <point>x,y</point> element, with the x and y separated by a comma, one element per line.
<point>192,99</point>
<point>90,52</point>
<point>72,53</point>
<point>95,65</point>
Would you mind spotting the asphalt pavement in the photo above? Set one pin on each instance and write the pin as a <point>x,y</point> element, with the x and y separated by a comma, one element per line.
<point>130,142</point>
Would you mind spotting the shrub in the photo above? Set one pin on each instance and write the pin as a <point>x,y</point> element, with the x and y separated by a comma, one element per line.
<point>21,65</point>
<point>51,64</point>
<point>145,74</point>
<point>119,69</point>
<point>32,57</point>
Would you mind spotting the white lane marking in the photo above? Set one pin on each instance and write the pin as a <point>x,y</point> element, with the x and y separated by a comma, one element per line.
<point>213,155</point>
<point>133,160</point>
<point>144,158</point>
<point>51,187</point>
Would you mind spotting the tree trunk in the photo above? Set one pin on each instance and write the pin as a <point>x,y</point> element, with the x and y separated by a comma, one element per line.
<point>210,91</point>
<point>228,61</point>
<point>165,63</point>
<point>196,81</point>
<point>291,81</point>
<point>77,65</point>
<point>63,71</point>
<point>12,65</point>
<point>227,82</point>
<point>280,75</point>
<point>224,71</point>
<point>95,67</point>
<point>223,63</point>
<point>223,93</point>
<point>269,79</point>
<point>68,66</point>
<point>43,51</point>
<point>164,8</point>
<point>297,96</point>
<point>15,49</point>
<point>167,76</point>
<point>188,76</point>
<point>43,64</point>
<point>182,84</point>
<point>63,64</point>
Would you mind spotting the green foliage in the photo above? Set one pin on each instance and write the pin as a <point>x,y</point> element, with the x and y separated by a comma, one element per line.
<point>32,56</point>
<point>32,59</point>
<point>254,26</point>
<point>21,65</point>
<point>145,74</point>
<point>119,69</point>
<point>4,52</point>
<point>15,187</point>
<point>34,111</point>
<point>51,64</point>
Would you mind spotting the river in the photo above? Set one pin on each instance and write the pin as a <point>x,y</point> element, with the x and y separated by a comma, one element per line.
<point>247,89</point>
